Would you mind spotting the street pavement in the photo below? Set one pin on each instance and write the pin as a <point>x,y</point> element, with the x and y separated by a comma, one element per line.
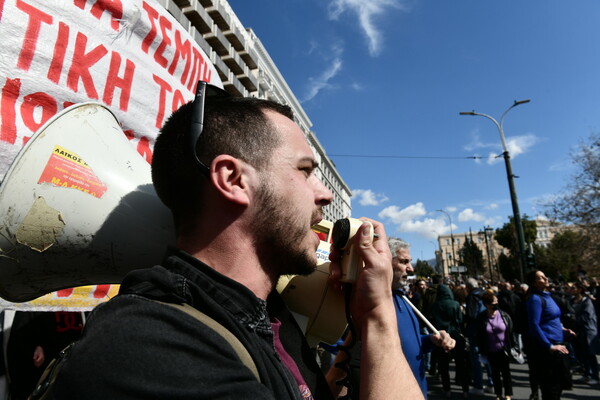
<point>581,391</point>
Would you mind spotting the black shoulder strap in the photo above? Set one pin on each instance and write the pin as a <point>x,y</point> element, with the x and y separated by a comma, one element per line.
<point>44,386</point>
<point>235,343</point>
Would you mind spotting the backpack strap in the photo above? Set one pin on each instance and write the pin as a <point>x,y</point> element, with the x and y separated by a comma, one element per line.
<point>235,343</point>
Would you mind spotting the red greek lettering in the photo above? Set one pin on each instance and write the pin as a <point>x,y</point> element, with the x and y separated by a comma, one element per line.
<point>33,101</point>
<point>200,70</point>
<point>178,100</point>
<point>60,50</point>
<point>1,8</point>
<point>113,7</point>
<point>162,100</point>
<point>10,94</point>
<point>79,3</point>
<point>153,16</point>
<point>81,64</point>
<point>113,81</point>
<point>66,321</point>
<point>165,25</point>
<point>183,50</point>
<point>143,148</point>
<point>34,24</point>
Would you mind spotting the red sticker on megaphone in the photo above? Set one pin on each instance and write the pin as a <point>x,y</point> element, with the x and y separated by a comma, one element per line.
<point>67,169</point>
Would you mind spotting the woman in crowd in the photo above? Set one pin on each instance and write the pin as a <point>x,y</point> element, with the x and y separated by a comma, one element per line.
<point>495,338</point>
<point>586,344</point>
<point>446,314</point>
<point>549,360</point>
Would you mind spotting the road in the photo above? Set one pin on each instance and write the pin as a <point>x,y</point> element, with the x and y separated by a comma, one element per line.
<point>581,391</point>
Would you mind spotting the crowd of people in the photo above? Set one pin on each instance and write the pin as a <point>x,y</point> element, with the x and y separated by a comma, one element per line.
<point>239,178</point>
<point>550,325</point>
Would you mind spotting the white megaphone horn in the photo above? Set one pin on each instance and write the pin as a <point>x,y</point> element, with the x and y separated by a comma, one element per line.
<point>77,207</point>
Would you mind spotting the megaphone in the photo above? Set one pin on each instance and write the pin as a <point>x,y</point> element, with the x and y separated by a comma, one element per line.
<point>78,207</point>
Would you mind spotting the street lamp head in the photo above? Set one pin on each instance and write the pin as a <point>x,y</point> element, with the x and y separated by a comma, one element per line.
<point>517,102</point>
<point>467,113</point>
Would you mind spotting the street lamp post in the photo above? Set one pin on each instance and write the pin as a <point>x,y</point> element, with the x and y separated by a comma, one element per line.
<point>451,237</point>
<point>487,234</point>
<point>511,183</point>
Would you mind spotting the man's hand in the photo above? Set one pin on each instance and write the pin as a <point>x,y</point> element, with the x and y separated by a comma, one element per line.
<point>444,340</point>
<point>384,371</point>
<point>372,289</point>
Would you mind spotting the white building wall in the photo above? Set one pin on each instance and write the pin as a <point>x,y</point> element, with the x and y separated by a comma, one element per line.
<point>246,69</point>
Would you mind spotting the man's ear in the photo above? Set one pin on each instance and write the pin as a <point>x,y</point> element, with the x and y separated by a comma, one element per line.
<point>230,177</point>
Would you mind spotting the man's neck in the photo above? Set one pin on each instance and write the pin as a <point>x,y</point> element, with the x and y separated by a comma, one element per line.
<point>233,255</point>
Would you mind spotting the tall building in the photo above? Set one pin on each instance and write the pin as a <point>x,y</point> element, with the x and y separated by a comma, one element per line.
<point>246,69</point>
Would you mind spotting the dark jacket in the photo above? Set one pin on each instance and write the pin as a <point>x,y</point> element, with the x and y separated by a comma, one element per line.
<point>482,335</point>
<point>446,313</point>
<point>133,348</point>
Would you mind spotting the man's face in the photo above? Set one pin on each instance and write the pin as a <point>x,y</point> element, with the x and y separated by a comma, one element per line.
<point>289,202</point>
<point>401,267</point>
<point>421,286</point>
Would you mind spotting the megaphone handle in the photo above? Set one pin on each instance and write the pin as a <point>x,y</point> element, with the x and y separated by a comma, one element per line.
<point>421,316</point>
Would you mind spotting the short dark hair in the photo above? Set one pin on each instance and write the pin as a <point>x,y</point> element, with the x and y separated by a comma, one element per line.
<point>488,296</point>
<point>236,126</point>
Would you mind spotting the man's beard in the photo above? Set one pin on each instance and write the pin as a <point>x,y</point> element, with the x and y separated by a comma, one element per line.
<point>278,234</point>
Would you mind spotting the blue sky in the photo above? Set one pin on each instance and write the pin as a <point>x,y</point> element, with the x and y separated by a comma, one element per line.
<point>384,80</point>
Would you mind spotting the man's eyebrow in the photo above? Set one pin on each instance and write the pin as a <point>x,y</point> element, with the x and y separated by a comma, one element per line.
<point>311,160</point>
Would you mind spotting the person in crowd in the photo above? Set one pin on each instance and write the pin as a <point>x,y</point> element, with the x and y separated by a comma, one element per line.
<point>495,336</point>
<point>414,344</point>
<point>587,344</point>
<point>548,356</point>
<point>446,314</point>
<point>35,338</point>
<point>474,306</point>
<point>508,300</point>
<point>240,181</point>
<point>428,298</point>
<point>419,288</point>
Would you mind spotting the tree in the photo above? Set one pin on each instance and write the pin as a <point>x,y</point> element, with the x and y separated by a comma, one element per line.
<point>423,269</point>
<point>472,257</point>
<point>579,201</point>
<point>506,237</point>
<point>565,251</point>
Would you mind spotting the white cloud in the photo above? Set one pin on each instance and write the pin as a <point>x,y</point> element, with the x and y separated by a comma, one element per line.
<point>429,228</point>
<point>492,206</point>
<point>407,220</point>
<point>516,146</point>
<point>451,209</point>
<point>520,144</point>
<point>366,11</point>
<point>368,197</point>
<point>322,81</point>
<point>399,216</point>
<point>469,215</point>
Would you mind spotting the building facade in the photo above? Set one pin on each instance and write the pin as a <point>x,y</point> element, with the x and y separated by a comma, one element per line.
<point>450,245</point>
<point>448,253</point>
<point>246,69</point>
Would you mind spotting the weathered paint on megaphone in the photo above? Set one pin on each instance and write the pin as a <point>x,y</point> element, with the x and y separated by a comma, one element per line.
<point>78,208</point>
